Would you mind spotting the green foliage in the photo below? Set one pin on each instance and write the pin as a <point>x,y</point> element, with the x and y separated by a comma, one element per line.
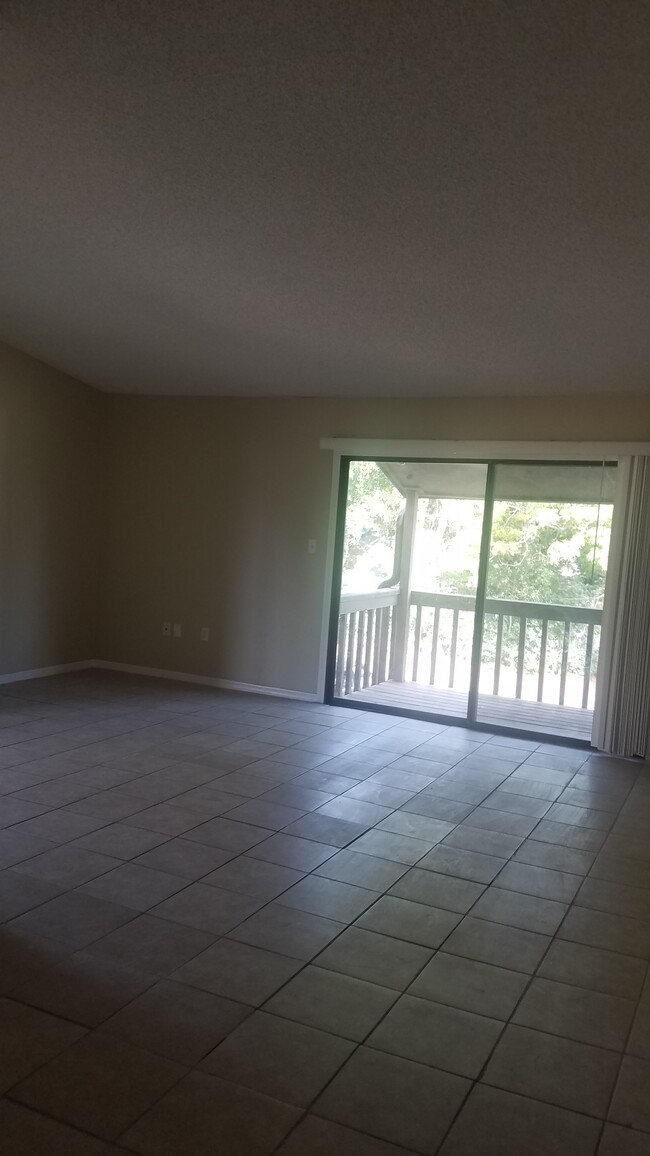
<point>539,552</point>
<point>372,509</point>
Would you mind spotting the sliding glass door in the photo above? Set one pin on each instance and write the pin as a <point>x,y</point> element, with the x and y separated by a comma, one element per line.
<point>544,589</point>
<point>472,590</point>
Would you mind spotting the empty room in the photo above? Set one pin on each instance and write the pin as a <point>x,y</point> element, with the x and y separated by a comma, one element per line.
<point>325,578</point>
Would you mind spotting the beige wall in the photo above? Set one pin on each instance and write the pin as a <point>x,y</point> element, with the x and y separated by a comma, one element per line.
<point>212,502</point>
<point>49,506</point>
<point>119,513</point>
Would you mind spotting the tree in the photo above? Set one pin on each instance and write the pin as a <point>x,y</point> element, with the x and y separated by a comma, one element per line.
<point>371,516</point>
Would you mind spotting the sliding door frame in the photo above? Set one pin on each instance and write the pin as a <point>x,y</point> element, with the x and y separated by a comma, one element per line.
<point>588,454</point>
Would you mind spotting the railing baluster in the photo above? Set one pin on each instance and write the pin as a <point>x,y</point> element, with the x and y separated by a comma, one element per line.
<point>586,685</point>
<point>434,645</point>
<point>452,656</point>
<point>367,662</point>
<point>385,613</point>
<point>497,654</point>
<point>340,653</point>
<point>349,658</point>
<point>416,644</point>
<point>376,677</point>
<point>565,661</point>
<point>521,654</point>
<point>542,661</point>
<point>361,641</point>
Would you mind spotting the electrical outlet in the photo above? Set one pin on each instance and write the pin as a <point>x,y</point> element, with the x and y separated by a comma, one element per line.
<point>205,634</point>
<point>311,545</point>
<point>177,630</point>
<point>167,629</point>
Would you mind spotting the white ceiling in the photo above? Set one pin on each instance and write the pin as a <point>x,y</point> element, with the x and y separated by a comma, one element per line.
<point>328,197</point>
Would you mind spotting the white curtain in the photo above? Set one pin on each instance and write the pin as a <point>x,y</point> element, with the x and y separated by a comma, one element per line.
<point>622,713</point>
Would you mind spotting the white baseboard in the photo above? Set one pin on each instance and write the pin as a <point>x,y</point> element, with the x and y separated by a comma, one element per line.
<point>44,671</point>
<point>154,672</point>
<point>204,680</point>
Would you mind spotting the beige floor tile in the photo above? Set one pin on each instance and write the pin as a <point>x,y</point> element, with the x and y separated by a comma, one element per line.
<point>558,1071</point>
<point>288,1061</point>
<point>587,1016</point>
<point>122,842</point>
<point>329,898</point>
<point>593,968</point>
<point>133,885</point>
<point>27,1133</point>
<point>20,893</point>
<point>288,931</point>
<point>568,835</point>
<point>252,877</point>
<point>618,1141</point>
<point>494,843</point>
<point>416,826</point>
<point>470,985</point>
<point>317,1137</point>
<point>391,846</point>
<point>99,1085</point>
<point>639,1041</point>
<point>152,945</point>
<point>333,1002</point>
<point>396,1100</point>
<point>437,890</point>
<point>539,881</point>
<point>238,971</point>
<point>612,932</point>
<point>203,1115</point>
<point>67,866</point>
<point>289,851</point>
<point>83,988</point>
<point>430,1033</point>
<point>527,912</point>
<point>208,909</point>
<point>461,863</point>
<point>74,920</point>
<point>326,829</point>
<point>24,957</point>
<point>631,1102</point>
<point>497,943</point>
<point>617,898</point>
<point>497,1123</point>
<point>378,959</point>
<point>227,834</point>
<point>368,871</point>
<point>414,922</point>
<point>28,1038</point>
<point>505,823</point>
<point>554,856</point>
<point>184,858</point>
<point>179,1022</point>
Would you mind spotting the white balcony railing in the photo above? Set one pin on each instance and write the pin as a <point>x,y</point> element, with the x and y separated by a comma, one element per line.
<point>532,647</point>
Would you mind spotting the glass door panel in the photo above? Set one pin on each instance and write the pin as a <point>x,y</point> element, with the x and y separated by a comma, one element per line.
<point>409,574</point>
<point>545,583</point>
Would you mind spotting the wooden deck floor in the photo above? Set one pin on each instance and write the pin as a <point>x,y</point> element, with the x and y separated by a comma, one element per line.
<point>567,722</point>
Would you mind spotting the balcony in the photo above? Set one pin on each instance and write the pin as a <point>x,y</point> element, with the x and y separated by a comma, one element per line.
<point>537,670</point>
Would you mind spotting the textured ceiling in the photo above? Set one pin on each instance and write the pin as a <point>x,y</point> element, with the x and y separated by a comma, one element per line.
<point>366,197</point>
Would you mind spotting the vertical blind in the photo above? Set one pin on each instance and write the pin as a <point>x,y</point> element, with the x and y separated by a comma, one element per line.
<point>622,716</point>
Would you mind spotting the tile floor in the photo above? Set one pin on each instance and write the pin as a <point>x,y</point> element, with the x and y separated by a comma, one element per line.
<point>249,926</point>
